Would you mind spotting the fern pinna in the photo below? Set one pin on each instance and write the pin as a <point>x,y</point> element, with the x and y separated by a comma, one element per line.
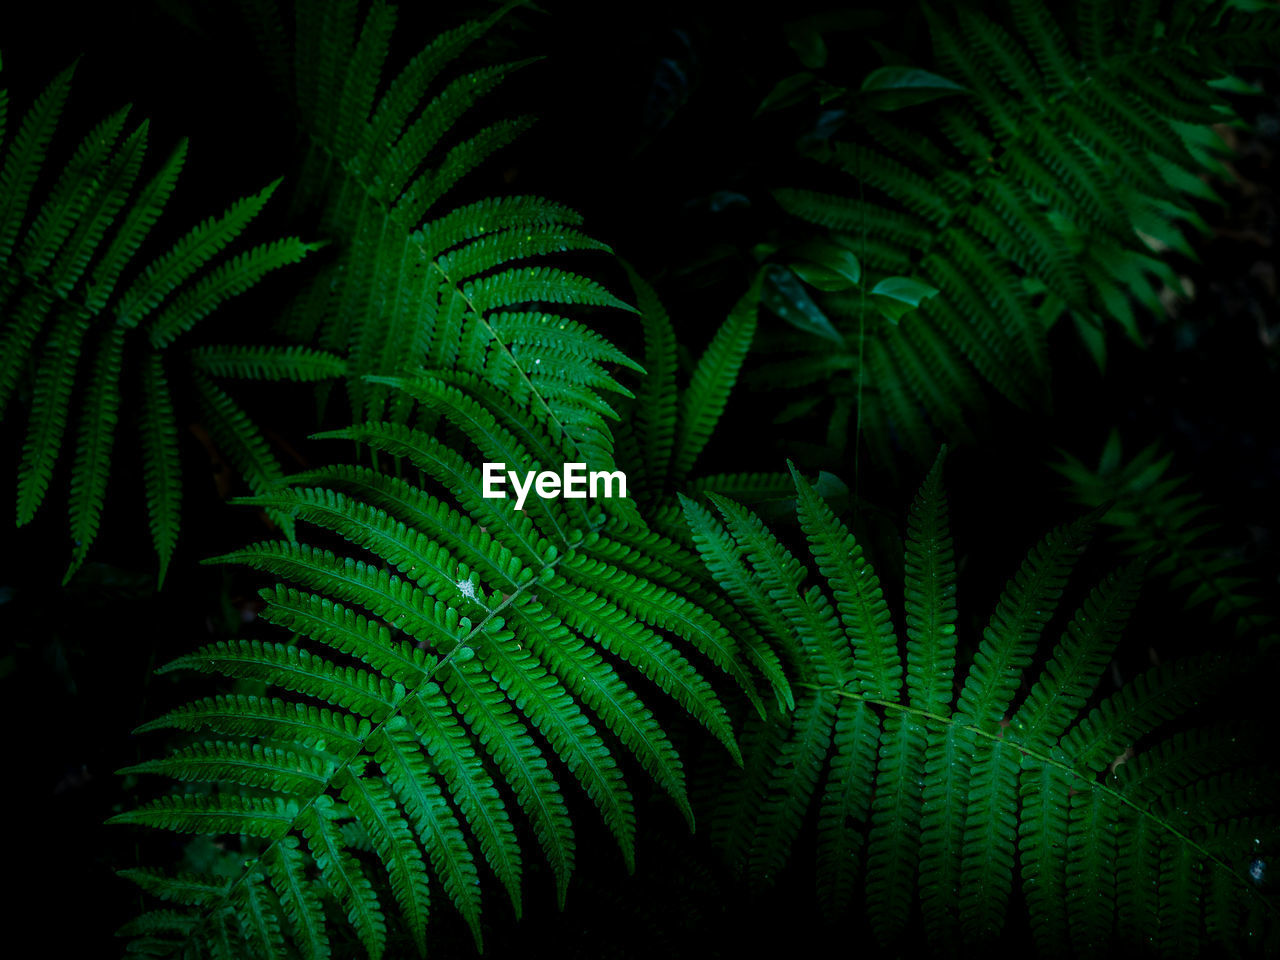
<point>444,661</point>
<point>381,159</point>
<point>83,314</point>
<point>665,429</point>
<point>925,794</point>
<point>1068,154</point>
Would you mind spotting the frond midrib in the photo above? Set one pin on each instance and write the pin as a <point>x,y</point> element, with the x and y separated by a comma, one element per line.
<point>410,230</point>
<point>942,722</point>
<point>215,908</point>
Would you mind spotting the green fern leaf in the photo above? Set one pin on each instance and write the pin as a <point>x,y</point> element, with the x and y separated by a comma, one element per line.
<point>63,252</point>
<point>954,797</point>
<point>160,460</point>
<point>476,664</point>
<point>713,378</point>
<point>1083,131</point>
<point>92,466</point>
<point>417,286</point>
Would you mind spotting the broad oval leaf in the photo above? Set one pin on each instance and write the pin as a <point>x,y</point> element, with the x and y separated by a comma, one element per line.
<point>895,297</point>
<point>895,87</point>
<point>787,297</point>
<point>827,266</point>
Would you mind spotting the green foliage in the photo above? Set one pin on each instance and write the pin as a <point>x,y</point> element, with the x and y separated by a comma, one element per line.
<point>87,315</point>
<point>948,787</point>
<point>1164,517</point>
<point>380,159</point>
<point>440,680</point>
<point>450,639</point>
<point>664,431</point>
<point>1046,187</point>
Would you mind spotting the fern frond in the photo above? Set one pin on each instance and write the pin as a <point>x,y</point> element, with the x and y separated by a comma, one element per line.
<point>953,797</point>
<point>1072,145</point>
<point>713,378</point>
<point>465,669</point>
<point>416,285</point>
<point>63,255</point>
<point>656,404</point>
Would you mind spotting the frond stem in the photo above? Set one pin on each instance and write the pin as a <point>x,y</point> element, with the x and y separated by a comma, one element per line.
<point>944,721</point>
<point>344,764</point>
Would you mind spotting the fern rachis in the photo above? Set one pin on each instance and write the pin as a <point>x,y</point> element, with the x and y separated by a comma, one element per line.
<point>471,658</point>
<point>418,283</point>
<point>1066,158</point>
<point>964,793</point>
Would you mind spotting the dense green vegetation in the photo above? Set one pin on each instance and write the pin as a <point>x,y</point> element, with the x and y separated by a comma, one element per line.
<point>333,700</point>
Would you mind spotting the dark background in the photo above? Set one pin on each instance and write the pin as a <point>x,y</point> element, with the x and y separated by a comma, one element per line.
<point>646,119</point>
